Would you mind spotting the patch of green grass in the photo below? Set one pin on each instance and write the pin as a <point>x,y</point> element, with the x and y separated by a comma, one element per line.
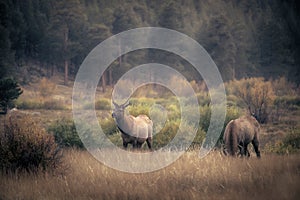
<point>49,104</point>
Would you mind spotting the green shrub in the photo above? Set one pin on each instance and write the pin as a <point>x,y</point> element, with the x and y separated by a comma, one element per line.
<point>108,126</point>
<point>287,101</point>
<point>173,112</point>
<point>139,109</point>
<point>205,113</point>
<point>232,112</point>
<point>289,144</point>
<point>103,104</point>
<point>116,139</point>
<point>142,101</point>
<point>170,128</point>
<point>34,104</point>
<point>292,140</point>
<point>26,146</point>
<point>233,101</point>
<point>197,142</point>
<point>203,98</point>
<point>65,134</point>
<point>29,104</point>
<point>53,105</point>
<point>282,87</point>
<point>167,133</point>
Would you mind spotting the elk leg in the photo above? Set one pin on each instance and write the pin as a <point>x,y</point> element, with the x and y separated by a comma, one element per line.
<point>125,144</point>
<point>149,142</point>
<point>255,144</point>
<point>225,151</point>
<point>241,149</point>
<point>134,144</point>
<point>138,145</point>
<point>246,151</point>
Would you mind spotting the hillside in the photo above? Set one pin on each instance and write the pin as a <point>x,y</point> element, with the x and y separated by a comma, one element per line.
<point>244,39</point>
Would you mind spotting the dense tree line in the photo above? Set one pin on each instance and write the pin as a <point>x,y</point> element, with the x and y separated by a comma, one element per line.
<point>245,38</point>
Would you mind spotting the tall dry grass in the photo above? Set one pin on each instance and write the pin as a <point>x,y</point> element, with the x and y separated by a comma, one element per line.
<point>213,177</point>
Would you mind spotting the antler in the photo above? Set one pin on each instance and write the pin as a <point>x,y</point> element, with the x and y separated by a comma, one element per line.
<point>127,103</point>
<point>124,105</point>
<point>115,104</point>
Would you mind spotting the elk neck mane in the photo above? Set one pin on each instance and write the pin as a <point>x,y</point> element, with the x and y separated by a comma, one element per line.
<point>125,123</point>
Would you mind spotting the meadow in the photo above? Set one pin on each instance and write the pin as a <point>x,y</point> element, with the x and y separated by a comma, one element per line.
<point>212,177</point>
<point>80,176</point>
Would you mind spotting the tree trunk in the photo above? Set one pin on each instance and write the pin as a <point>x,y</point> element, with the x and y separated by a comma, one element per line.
<point>52,69</point>
<point>110,77</point>
<point>66,71</point>
<point>66,62</point>
<point>103,82</point>
<point>120,57</point>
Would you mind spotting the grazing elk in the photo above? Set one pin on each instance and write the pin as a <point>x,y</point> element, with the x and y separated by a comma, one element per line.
<point>239,133</point>
<point>134,130</point>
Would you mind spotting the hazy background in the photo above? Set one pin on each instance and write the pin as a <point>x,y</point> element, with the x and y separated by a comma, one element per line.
<point>244,38</point>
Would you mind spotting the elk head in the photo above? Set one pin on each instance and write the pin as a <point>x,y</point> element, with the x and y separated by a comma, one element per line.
<point>119,110</point>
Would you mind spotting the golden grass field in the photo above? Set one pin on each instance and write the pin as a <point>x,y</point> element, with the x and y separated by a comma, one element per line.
<point>212,177</point>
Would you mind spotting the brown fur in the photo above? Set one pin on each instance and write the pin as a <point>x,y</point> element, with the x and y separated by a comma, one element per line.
<point>239,133</point>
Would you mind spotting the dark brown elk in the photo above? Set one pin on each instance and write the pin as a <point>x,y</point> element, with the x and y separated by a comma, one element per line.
<point>239,133</point>
<point>134,130</point>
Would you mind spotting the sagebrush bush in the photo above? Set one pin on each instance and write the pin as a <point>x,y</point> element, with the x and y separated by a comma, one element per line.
<point>289,144</point>
<point>293,140</point>
<point>282,87</point>
<point>257,94</point>
<point>26,146</point>
<point>287,102</point>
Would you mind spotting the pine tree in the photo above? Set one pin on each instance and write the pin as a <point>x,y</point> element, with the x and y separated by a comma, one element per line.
<point>9,90</point>
<point>67,24</point>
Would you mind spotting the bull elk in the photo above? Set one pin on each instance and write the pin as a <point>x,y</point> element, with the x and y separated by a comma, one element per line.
<point>134,130</point>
